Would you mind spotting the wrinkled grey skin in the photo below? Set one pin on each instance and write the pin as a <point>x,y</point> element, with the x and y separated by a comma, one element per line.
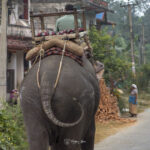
<point>71,126</point>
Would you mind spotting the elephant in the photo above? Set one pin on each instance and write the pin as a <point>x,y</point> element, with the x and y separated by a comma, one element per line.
<point>64,118</point>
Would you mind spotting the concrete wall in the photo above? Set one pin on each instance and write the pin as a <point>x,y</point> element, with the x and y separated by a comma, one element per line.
<point>20,67</point>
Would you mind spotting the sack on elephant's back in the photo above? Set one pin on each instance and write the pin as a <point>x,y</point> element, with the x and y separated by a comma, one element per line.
<point>70,46</point>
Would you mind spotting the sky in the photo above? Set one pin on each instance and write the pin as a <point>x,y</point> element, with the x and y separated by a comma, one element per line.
<point>139,12</point>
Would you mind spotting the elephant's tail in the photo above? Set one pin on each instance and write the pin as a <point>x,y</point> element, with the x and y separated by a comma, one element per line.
<point>46,97</point>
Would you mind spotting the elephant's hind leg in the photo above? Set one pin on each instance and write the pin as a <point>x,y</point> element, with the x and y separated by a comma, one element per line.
<point>89,138</point>
<point>39,141</point>
<point>37,133</point>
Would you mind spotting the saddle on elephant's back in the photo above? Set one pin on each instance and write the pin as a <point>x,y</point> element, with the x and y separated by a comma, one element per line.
<point>74,42</point>
<point>74,48</point>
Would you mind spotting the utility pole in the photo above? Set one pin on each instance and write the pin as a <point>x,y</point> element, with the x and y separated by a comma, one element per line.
<point>29,9</point>
<point>3,51</point>
<point>129,5</point>
<point>140,50</point>
<point>131,38</point>
<point>142,59</point>
<point>143,45</point>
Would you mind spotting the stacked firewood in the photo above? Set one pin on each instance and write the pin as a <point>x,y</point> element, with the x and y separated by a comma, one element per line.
<point>108,108</point>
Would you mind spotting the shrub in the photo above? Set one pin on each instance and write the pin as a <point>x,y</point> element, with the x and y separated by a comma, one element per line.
<point>12,135</point>
<point>142,77</point>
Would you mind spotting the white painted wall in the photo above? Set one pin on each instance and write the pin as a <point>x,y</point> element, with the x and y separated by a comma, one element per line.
<point>14,15</point>
<point>18,31</point>
<point>20,67</point>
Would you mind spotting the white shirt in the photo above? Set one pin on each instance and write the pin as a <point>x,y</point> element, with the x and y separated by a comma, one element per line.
<point>134,92</point>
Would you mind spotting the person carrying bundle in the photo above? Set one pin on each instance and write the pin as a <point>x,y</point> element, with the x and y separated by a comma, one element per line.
<point>133,101</point>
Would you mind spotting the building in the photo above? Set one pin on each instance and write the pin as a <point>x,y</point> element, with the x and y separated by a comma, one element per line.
<point>91,7</point>
<point>19,41</point>
<point>19,32</point>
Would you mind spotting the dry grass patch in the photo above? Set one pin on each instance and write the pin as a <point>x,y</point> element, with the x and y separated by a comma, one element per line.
<point>103,130</point>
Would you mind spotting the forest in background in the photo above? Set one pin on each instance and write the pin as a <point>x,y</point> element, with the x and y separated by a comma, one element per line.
<point>112,46</point>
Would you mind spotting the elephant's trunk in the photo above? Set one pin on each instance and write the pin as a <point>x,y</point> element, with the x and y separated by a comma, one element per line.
<point>46,97</point>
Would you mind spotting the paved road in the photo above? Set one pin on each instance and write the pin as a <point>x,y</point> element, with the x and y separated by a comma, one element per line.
<point>136,137</point>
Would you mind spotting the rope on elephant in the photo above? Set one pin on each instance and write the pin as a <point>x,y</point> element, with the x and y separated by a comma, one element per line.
<point>60,66</point>
<point>41,54</point>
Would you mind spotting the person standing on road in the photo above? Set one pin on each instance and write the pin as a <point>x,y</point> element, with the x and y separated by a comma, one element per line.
<point>133,101</point>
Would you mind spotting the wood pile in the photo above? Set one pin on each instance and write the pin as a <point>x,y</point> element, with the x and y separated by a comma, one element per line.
<point>108,108</point>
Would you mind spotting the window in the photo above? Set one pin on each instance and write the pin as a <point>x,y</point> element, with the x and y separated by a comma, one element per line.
<point>10,80</point>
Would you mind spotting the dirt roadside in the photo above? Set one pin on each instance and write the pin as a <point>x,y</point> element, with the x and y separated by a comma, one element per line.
<point>135,137</point>
<point>104,130</point>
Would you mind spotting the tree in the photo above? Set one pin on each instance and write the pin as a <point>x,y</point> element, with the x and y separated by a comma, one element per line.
<point>103,45</point>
